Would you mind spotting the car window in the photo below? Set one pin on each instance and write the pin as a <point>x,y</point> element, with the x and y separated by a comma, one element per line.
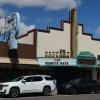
<point>35,79</point>
<point>28,79</point>
<point>70,82</point>
<point>91,81</point>
<point>18,79</point>
<point>84,81</point>
<point>76,81</point>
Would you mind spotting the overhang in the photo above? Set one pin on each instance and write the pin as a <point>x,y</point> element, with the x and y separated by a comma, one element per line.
<point>21,61</point>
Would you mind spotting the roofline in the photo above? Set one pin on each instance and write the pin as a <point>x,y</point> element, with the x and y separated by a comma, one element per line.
<point>88,34</point>
<point>59,29</point>
<point>55,28</point>
<point>21,36</point>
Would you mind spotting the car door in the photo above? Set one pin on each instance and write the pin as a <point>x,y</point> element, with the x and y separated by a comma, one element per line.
<point>37,84</point>
<point>82,86</point>
<point>92,85</point>
<point>26,85</point>
<point>89,85</point>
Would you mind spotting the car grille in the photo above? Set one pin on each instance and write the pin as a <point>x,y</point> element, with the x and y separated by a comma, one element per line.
<point>1,87</point>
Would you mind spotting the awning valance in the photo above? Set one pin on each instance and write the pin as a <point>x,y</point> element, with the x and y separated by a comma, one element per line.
<point>21,61</point>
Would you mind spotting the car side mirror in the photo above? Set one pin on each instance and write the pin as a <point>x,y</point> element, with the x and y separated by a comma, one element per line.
<point>23,81</point>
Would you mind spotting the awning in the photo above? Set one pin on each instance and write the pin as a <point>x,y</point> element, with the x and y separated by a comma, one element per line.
<point>4,60</point>
<point>21,61</point>
<point>28,61</point>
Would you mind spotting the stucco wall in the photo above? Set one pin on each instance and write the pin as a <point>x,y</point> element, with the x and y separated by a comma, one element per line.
<point>26,47</point>
<point>53,41</point>
<point>85,43</point>
<point>27,39</point>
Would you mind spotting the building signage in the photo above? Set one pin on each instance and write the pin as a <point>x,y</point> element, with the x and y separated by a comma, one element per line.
<point>57,54</point>
<point>57,61</point>
<point>86,59</point>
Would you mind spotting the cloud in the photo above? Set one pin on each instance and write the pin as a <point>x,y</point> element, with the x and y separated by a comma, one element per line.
<point>2,24</point>
<point>23,18</point>
<point>47,4</point>
<point>25,28</point>
<point>98,30</point>
<point>2,20</point>
<point>2,12</point>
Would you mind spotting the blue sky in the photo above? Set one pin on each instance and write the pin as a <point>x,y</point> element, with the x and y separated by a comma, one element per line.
<point>43,13</point>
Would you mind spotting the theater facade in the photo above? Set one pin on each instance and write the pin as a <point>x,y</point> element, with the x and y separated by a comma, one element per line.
<point>69,50</point>
<point>65,53</point>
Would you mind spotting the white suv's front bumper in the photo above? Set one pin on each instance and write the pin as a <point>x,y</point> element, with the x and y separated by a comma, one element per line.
<point>4,91</point>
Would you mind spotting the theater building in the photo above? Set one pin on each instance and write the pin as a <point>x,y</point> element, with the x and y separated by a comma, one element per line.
<point>65,53</point>
<point>68,50</point>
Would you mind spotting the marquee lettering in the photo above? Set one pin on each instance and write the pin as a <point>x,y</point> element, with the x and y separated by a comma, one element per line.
<point>56,54</point>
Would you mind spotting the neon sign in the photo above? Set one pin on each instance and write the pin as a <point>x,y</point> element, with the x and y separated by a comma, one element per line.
<point>10,31</point>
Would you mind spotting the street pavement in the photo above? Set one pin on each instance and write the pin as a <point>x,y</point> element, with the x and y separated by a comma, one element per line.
<point>57,97</point>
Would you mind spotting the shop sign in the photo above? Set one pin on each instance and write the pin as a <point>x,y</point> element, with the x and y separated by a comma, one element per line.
<point>57,54</point>
<point>86,58</point>
<point>86,61</point>
<point>57,61</point>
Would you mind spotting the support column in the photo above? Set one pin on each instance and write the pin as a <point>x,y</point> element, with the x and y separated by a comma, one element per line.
<point>74,33</point>
<point>94,74</point>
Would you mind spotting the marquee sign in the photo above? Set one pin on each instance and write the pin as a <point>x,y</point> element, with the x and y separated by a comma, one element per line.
<point>57,61</point>
<point>10,31</point>
<point>86,59</point>
<point>13,24</point>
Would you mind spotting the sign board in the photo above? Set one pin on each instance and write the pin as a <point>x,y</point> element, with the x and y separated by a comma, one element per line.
<point>10,27</point>
<point>57,61</point>
<point>13,24</point>
<point>86,59</point>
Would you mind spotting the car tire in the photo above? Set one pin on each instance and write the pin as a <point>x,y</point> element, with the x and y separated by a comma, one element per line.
<point>46,91</point>
<point>14,92</point>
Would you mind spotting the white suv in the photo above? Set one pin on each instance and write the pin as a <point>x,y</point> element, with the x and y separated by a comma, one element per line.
<point>29,84</point>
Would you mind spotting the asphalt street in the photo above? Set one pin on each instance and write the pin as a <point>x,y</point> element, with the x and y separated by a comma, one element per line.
<point>57,97</point>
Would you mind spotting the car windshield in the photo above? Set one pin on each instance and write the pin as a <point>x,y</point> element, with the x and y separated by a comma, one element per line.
<point>17,79</point>
<point>70,82</point>
<point>74,81</point>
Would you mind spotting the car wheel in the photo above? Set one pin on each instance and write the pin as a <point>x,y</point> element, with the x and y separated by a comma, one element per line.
<point>46,91</point>
<point>14,92</point>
